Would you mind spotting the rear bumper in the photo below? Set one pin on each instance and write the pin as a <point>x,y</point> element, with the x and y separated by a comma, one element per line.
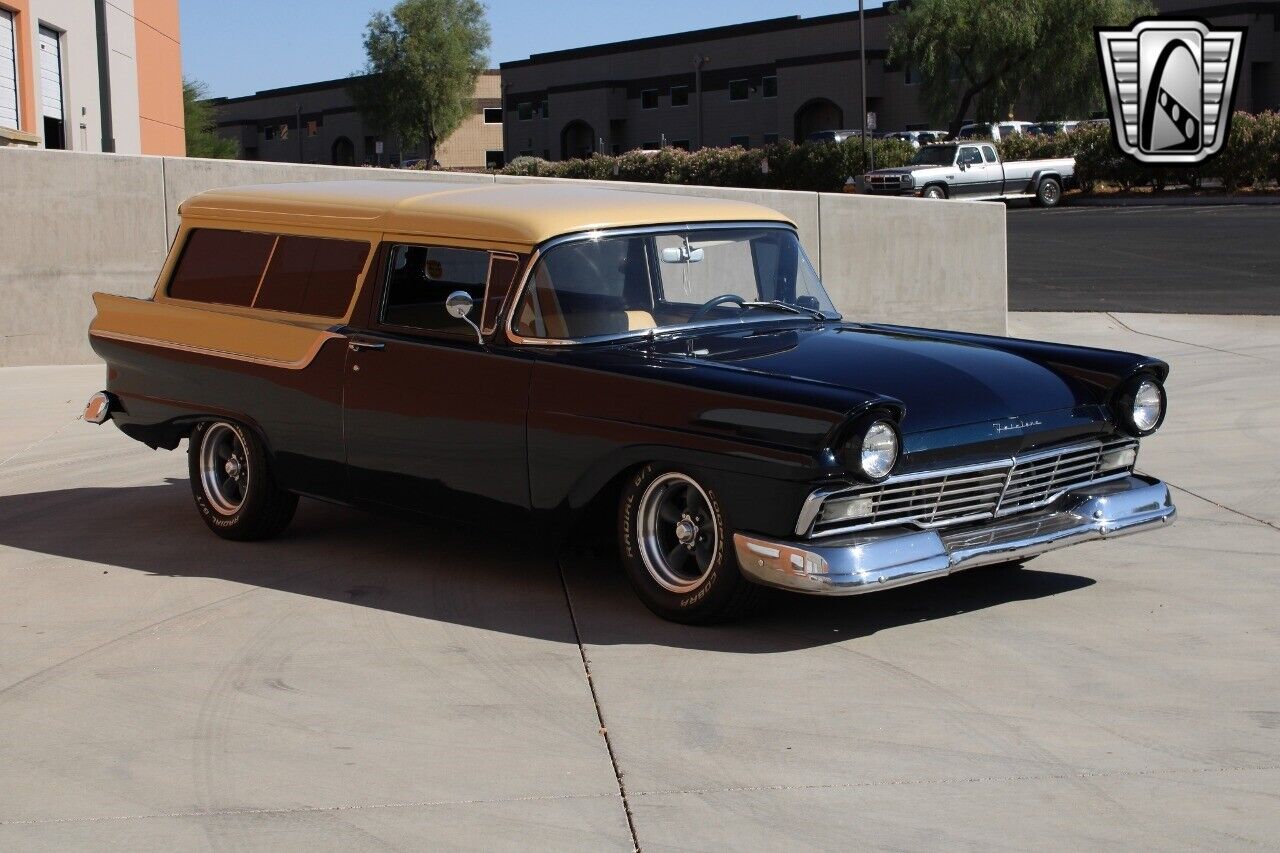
<point>867,562</point>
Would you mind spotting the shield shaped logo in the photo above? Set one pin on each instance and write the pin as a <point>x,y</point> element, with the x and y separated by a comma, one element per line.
<point>1171,87</point>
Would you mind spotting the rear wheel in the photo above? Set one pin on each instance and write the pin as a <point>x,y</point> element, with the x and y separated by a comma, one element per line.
<point>935,192</point>
<point>232,483</point>
<point>677,549</point>
<point>1049,193</point>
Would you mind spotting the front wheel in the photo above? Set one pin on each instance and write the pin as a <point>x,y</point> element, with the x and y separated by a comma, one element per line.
<point>232,483</point>
<point>935,192</point>
<point>677,549</point>
<point>1049,193</point>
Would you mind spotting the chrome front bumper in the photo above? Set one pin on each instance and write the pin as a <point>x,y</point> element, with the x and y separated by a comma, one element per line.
<point>882,559</point>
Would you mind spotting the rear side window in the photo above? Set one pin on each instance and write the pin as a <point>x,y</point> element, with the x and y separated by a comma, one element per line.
<point>312,276</point>
<point>989,153</point>
<point>223,267</point>
<point>300,275</point>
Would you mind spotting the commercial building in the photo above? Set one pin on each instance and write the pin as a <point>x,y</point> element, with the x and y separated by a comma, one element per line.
<point>92,75</point>
<point>754,83</point>
<point>266,127</point>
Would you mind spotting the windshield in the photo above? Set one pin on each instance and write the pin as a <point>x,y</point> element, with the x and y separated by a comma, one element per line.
<point>935,155</point>
<point>612,285</point>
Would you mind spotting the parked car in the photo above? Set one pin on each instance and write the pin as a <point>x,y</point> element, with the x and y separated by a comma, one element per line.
<point>993,132</point>
<point>833,135</point>
<point>1048,128</point>
<point>919,137</point>
<point>974,171</point>
<point>540,357</point>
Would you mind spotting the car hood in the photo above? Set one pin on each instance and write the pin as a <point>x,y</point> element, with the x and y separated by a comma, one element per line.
<point>942,380</point>
<point>906,170</point>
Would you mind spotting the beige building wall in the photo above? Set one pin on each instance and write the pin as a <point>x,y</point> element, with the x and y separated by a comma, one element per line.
<point>469,146</point>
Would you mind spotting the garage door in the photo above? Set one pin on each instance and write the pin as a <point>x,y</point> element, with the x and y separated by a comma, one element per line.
<point>8,73</point>
<point>50,74</point>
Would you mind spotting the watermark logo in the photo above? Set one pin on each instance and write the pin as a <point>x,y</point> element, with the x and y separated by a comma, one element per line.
<point>1171,87</point>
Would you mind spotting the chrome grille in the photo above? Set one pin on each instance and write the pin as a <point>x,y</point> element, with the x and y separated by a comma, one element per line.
<point>955,496</point>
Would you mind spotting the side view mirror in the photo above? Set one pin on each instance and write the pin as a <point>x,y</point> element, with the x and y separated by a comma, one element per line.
<point>459,305</point>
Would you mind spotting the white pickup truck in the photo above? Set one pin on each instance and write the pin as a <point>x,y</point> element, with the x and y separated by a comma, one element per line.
<point>972,170</point>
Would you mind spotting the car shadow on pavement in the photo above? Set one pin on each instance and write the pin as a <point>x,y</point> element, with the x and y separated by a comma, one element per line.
<point>443,572</point>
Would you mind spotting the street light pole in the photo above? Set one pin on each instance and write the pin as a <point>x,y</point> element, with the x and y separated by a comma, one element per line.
<point>862,63</point>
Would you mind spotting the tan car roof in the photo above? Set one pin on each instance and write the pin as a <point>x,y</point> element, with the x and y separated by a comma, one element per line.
<point>508,213</point>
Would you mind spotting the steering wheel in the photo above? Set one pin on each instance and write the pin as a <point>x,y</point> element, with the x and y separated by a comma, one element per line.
<point>716,302</point>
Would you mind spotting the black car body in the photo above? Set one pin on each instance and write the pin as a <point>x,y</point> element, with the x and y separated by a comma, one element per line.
<point>729,435</point>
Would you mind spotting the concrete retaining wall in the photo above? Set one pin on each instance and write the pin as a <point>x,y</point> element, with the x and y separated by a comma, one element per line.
<point>72,224</point>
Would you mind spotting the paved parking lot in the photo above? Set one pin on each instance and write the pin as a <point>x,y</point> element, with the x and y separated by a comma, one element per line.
<point>1185,259</point>
<point>362,683</point>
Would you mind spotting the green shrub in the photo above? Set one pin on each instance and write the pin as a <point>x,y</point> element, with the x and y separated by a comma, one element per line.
<point>1251,157</point>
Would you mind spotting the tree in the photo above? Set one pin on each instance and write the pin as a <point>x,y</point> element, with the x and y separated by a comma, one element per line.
<point>423,60</point>
<point>202,124</point>
<point>987,55</point>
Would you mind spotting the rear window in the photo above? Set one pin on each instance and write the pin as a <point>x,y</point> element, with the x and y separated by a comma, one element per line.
<point>221,266</point>
<point>300,275</point>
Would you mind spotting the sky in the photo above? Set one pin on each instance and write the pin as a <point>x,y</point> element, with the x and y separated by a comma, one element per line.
<point>238,47</point>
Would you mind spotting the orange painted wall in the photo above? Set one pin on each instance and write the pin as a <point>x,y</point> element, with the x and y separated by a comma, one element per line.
<point>159,57</point>
<point>27,71</point>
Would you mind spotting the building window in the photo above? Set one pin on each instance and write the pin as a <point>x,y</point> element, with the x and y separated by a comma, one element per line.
<point>679,96</point>
<point>649,99</point>
<point>739,90</point>
<point>313,127</point>
<point>493,115</point>
<point>544,109</point>
<point>269,132</point>
<point>769,85</point>
<point>525,109</point>
<point>682,144</point>
<point>649,146</point>
<point>740,141</point>
<point>528,152</point>
<point>771,139</point>
<point>909,75</point>
<point>495,159</point>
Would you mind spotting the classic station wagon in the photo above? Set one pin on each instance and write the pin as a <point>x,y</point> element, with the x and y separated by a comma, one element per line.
<point>518,355</point>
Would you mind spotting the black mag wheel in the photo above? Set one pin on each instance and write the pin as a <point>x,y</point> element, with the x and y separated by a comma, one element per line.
<point>676,548</point>
<point>232,483</point>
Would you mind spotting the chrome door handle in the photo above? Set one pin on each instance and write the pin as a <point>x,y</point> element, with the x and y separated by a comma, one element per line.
<point>356,346</point>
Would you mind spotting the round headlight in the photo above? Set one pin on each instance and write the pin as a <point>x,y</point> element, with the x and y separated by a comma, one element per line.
<point>879,450</point>
<point>1148,406</point>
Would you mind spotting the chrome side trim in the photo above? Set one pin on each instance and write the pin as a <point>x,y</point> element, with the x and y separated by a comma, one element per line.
<point>509,327</point>
<point>861,563</point>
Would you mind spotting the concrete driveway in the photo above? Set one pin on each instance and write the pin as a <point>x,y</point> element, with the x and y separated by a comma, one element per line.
<point>362,683</point>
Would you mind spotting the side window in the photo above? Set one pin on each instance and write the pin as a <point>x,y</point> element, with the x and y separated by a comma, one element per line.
<point>988,153</point>
<point>222,267</point>
<point>310,275</point>
<point>420,278</point>
<point>970,156</point>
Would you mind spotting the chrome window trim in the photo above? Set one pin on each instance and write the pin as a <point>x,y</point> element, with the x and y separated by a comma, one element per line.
<point>812,506</point>
<point>541,249</point>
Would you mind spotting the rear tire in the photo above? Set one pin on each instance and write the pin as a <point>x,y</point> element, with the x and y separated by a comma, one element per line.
<point>1049,193</point>
<point>232,484</point>
<point>677,549</point>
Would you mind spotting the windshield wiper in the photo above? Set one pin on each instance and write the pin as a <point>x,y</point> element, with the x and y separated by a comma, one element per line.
<point>786,306</point>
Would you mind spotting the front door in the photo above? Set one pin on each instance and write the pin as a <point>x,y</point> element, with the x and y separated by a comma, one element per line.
<point>435,421</point>
<point>973,179</point>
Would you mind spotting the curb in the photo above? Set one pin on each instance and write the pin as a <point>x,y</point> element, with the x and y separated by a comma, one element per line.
<point>1174,201</point>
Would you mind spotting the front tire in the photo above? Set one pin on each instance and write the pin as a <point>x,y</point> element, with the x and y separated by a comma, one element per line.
<point>232,484</point>
<point>935,192</point>
<point>1049,193</point>
<point>677,549</point>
